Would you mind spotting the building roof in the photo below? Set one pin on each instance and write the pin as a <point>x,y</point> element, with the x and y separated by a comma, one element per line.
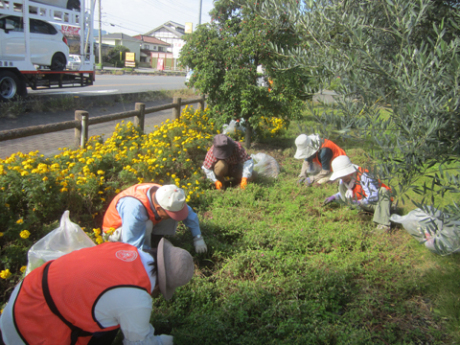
<point>150,39</point>
<point>119,36</point>
<point>173,27</point>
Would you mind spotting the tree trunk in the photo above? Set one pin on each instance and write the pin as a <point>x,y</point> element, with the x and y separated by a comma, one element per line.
<point>247,140</point>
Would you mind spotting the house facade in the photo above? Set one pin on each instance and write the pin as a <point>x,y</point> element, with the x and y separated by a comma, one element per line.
<point>121,39</point>
<point>150,46</point>
<point>172,33</point>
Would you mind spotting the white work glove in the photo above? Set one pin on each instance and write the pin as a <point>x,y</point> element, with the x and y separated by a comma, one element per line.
<point>200,246</point>
<point>164,339</point>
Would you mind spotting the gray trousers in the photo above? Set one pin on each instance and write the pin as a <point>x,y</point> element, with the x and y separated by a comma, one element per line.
<point>381,209</point>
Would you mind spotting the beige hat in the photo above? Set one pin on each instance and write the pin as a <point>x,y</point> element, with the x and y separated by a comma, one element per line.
<point>172,199</point>
<point>175,267</point>
<point>307,145</point>
<point>341,166</point>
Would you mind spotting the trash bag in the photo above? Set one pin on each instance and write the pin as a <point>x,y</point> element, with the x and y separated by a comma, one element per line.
<point>265,165</point>
<point>440,232</point>
<point>63,240</point>
<point>233,126</point>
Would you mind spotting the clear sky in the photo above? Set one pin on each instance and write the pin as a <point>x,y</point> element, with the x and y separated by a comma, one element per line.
<point>134,17</point>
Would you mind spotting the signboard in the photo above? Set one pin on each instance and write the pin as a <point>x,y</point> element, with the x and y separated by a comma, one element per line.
<point>188,28</point>
<point>130,59</point>
<point>161,64</point>
<point>70,31</point>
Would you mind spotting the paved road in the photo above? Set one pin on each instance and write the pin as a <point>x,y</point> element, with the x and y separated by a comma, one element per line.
<point>114,84</point>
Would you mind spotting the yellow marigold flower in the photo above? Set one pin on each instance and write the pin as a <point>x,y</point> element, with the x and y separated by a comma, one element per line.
<point>64,190</point>
<point>19,221</point>
<point>111,231</point>
<point>5,274</point>
<point>24,234</point>
<point>23,269</point>
<point>97,231</point>
<point>99,240</point>
<point>1,234</point>
<point>45,178</point>
<point>7,205</point>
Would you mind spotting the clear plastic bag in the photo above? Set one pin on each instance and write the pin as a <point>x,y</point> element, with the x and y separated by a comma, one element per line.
<point>265,165</point>
<point>63,240</point>
<point>437,230</point>
<point>233,126</point>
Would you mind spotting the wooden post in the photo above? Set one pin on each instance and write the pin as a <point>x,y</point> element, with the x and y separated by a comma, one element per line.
<point>201,103</point>
<point>81,132</point>
<point>140,119</point>
<point>84,129</point>
<point>176,109</point>
<point>78,115</point>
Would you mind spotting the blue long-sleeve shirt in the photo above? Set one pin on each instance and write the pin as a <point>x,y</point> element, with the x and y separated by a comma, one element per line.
<point>134,217</point>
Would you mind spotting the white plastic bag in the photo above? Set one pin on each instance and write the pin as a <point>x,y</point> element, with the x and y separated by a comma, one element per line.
<point>63,240</point>
<point>265,165</point>
<point>233,126</point>
<point>438,231</point>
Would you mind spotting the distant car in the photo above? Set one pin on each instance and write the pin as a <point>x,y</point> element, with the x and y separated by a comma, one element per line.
<point>74,62</point>
<point>188,76</point>
<point>48,46</point>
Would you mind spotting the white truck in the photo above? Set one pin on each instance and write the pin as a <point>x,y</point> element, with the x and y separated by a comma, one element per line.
<point>33,48</point>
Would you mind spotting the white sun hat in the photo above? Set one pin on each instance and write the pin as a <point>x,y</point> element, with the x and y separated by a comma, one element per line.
<point>307,145</point>
<point>341,166</point>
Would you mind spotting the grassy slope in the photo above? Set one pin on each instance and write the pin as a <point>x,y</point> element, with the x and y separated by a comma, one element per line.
<point>281,269</point>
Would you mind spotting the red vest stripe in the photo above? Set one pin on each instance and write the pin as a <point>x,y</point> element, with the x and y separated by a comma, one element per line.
<point>75,285</point>
<point>139,191</point>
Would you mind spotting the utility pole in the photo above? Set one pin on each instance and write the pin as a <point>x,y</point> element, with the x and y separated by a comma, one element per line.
<point>100,36</point>
<point>199,16</point>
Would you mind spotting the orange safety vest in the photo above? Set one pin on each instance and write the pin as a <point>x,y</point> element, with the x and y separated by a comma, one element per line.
<point>76,281</point>
<point>139,191</point>
<point>336,151</point>
<point>358,191</point>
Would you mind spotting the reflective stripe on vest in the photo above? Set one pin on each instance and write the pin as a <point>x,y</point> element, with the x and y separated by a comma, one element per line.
<point>139,191</point>
<point>336,151</point>
<point>75,286</point>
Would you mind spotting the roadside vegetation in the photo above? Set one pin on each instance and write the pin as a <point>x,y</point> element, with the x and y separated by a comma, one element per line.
<point>281,269</point>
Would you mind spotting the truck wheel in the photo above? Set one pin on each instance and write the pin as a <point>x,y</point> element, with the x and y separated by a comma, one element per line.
<point>11,87</point>
<point>58,62</point>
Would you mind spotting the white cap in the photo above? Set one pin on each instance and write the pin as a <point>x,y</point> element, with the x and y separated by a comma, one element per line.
<point>307,145</point>
<point>172,199</point>
<point>341,166</point>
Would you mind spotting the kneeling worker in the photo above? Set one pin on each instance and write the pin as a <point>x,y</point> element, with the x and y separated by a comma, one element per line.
<point>359,187</point>
<point>227,158</point>
<point>143,213</point>
<point>317,154</point>
<point>86,296</point>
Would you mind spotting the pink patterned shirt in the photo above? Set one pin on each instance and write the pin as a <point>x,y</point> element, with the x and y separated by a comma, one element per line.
<point>239,156</point>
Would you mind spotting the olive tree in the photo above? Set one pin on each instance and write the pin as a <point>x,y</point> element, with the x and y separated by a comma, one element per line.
<point>398,54</point>
<point>225,56</point>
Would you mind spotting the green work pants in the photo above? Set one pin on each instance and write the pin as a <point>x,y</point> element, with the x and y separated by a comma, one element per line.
<point>381,209</point>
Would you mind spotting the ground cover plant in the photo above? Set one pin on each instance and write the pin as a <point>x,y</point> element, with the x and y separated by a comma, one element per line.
<point>280,267</point>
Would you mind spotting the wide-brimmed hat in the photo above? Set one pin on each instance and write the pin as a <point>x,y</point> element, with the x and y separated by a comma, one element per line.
<point>341,166</point>
<point>307,145</point>
<point>223,146</point>
<point>172,199</point>
<point>175,267</point>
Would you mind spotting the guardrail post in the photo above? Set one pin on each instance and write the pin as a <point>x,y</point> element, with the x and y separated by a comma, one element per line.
<point>201,103</point>
<point>176,109</point>
<point>139,119</point>
<point>81,131</point>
